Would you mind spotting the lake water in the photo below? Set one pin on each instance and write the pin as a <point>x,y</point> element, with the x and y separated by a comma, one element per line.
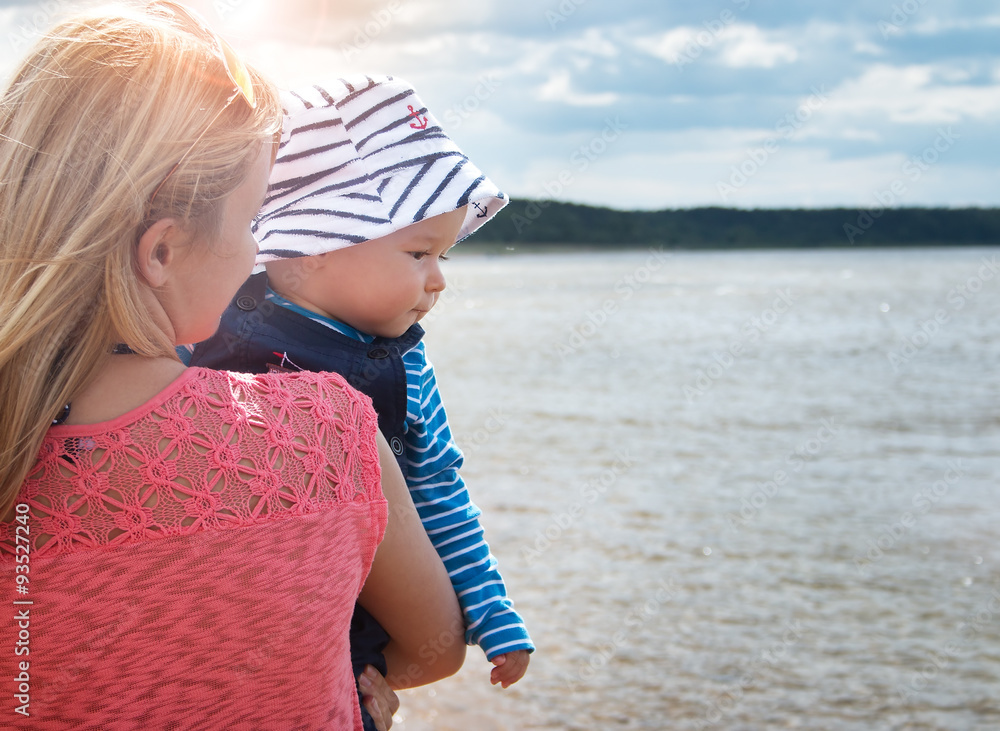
<point>735,490</point>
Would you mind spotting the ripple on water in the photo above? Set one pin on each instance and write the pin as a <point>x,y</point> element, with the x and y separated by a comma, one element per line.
<point>817,607</point>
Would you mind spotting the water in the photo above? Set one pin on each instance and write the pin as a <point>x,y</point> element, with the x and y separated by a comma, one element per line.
<point>739,490</point>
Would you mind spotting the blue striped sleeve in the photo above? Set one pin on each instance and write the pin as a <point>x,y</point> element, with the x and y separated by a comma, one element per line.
<point>451,519</point>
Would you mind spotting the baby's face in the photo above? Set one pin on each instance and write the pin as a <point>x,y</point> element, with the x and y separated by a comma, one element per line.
<point>383,286</point>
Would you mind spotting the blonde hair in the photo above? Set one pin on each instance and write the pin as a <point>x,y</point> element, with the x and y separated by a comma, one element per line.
<point>91,124</point>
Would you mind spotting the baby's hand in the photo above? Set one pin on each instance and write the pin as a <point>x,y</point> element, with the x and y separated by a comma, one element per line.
<point>510,667</point>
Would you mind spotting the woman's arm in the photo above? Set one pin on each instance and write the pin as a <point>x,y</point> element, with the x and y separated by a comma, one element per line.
<point>409,593</point>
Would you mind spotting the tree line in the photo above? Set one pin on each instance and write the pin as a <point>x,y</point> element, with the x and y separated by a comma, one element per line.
<point>555,223</point>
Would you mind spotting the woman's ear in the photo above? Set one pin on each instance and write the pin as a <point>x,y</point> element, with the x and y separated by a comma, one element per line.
<point>156,251</point>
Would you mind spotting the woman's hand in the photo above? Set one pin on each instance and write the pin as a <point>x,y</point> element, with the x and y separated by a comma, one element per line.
<point>379,699</point>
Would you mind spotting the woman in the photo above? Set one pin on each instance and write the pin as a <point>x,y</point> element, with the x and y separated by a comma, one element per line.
<point>181,547</point>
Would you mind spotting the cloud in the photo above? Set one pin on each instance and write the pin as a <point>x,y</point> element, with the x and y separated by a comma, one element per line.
<point>592,42</point>
<point>672,45</point>
<point>747,46</point>
<point>736,45</point>
<point>927,94</point>
<point>868,48</point>
<point>698,84</point>
<point>557,89</point>
<point>939,24</point>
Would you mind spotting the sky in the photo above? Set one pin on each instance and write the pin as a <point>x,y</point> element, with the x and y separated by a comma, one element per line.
<point>651,104</point>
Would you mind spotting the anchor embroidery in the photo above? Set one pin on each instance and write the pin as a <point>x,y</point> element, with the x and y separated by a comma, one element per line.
<point>418,123</point>
<point>483,211</point>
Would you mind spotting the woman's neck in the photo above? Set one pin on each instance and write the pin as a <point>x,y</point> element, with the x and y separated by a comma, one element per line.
<point>126,383</point>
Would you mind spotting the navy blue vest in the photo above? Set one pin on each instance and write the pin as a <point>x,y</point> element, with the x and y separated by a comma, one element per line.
<point>257,336</point>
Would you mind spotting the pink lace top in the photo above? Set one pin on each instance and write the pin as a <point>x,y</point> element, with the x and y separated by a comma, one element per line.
<point>194,563</point>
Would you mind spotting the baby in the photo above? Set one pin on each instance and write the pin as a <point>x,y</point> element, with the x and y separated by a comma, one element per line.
<point>367,196</point>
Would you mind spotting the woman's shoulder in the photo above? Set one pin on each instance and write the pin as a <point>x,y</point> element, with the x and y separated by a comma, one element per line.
<point>281,385</point>
<point>309,403</point>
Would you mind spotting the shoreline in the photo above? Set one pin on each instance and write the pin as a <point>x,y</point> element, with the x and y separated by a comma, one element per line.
<point>469,249</point>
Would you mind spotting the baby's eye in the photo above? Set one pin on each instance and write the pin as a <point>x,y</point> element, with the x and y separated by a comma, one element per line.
<point>443,257</point>
<point>418,255</point>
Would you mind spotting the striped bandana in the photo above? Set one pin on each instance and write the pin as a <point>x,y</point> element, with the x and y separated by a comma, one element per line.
<point>359,159</point>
